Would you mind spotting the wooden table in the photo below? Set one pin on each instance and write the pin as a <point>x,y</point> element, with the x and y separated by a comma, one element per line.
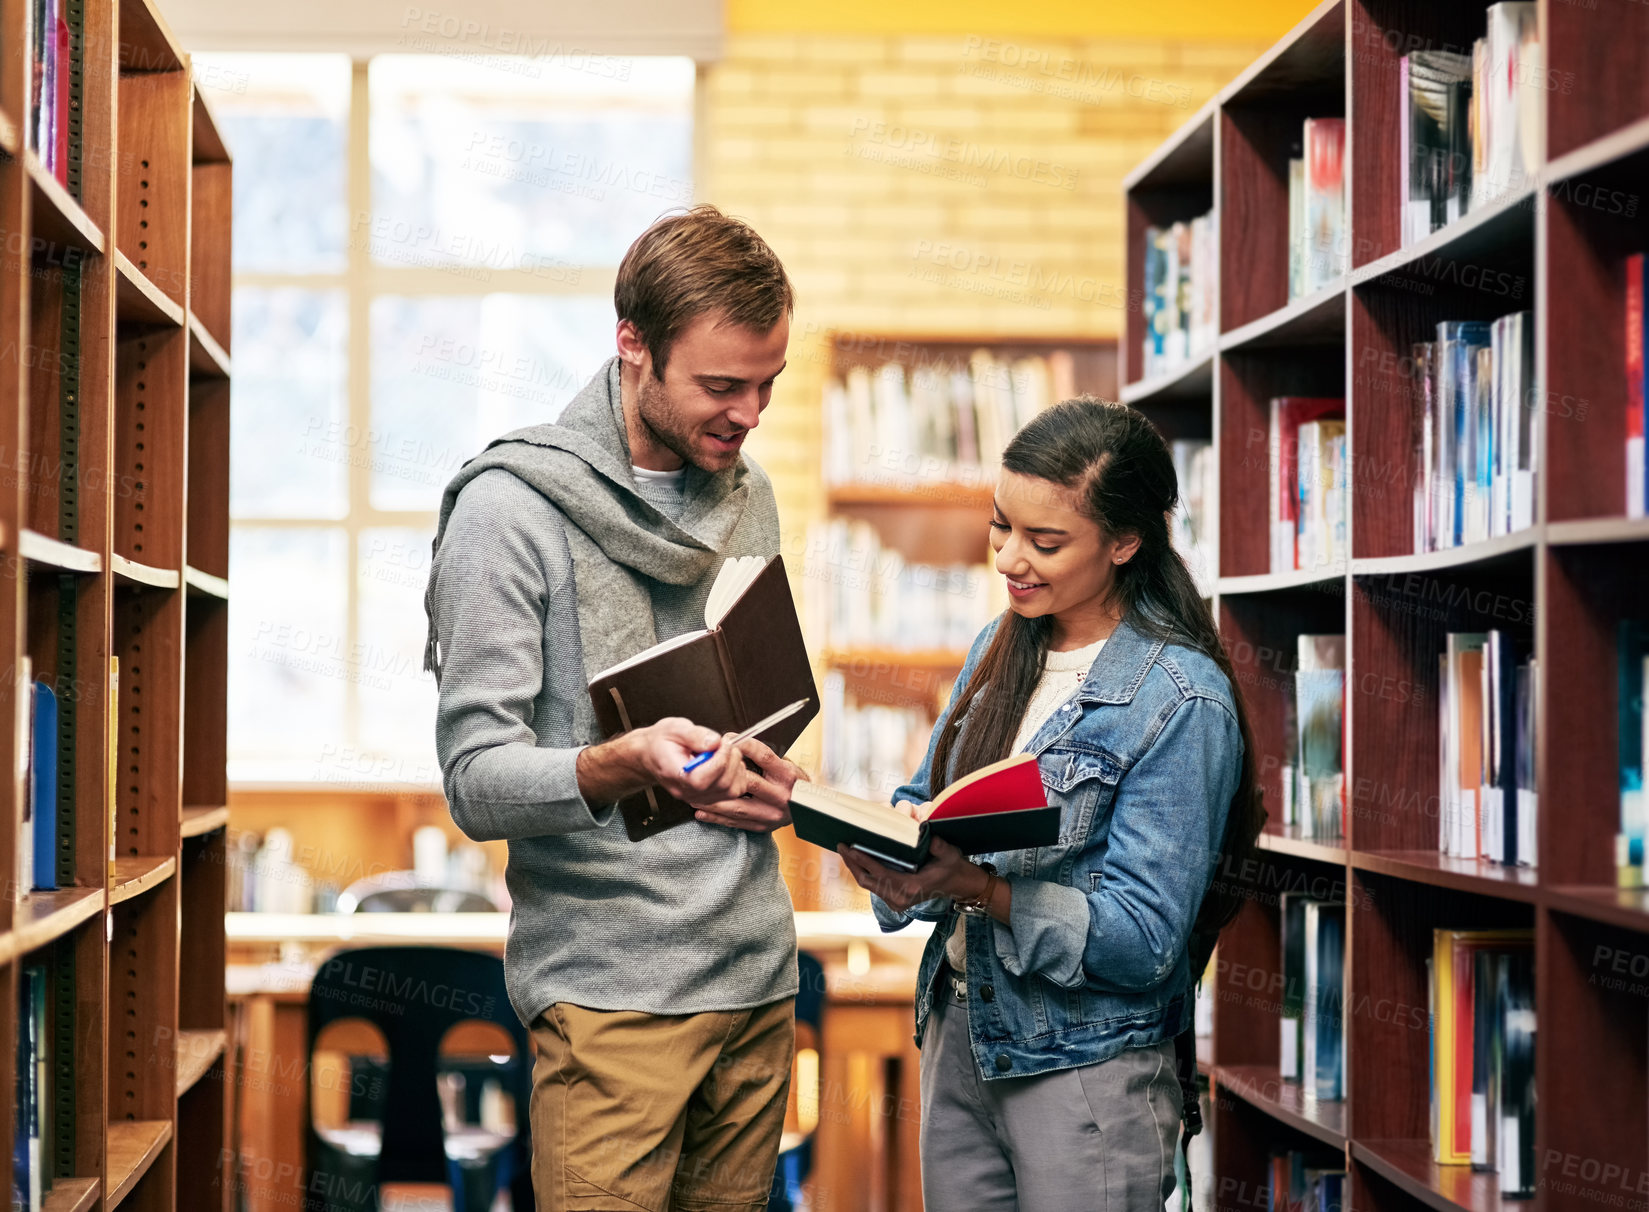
<point>865,1155</point>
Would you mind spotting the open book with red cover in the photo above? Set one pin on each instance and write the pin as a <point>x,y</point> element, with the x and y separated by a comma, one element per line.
<point>1002,806</point>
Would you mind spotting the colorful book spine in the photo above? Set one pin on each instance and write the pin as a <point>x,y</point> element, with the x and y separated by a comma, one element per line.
<point>1635,478</point>
<point>1324,141</point>
<point>43,785</point>
<point>1631,649</point>
<point>1323,1064</point>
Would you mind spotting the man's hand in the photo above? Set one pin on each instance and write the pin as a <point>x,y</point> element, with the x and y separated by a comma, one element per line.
<point>724,789</point>
<point>766,804</point>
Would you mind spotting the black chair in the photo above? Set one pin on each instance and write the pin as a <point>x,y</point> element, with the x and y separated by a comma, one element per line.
<point>414,995</point>
<point>796,1156</point>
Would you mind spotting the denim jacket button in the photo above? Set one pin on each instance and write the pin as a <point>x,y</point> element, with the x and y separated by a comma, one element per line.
<point>1003,1064</point>
<point>987,993</point>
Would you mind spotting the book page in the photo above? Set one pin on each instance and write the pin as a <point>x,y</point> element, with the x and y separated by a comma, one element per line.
<point>880,818</point>
<point>736,575</point>
<point>647,654</point>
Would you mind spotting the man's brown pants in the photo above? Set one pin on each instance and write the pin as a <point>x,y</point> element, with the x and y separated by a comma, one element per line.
<point>665,1113</point>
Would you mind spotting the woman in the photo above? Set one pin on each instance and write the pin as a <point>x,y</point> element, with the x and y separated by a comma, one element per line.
<point>1057,979</point>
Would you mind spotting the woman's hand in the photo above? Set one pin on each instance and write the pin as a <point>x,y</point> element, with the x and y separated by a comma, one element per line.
<point>947,873</point>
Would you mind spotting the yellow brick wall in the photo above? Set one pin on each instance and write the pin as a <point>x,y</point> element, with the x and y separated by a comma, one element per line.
<point>937,183</point>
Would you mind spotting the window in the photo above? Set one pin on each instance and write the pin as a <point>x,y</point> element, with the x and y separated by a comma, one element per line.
<point>424,258</point>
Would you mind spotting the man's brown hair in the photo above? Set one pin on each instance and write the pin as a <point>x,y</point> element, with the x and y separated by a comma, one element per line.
<point>699,261</point>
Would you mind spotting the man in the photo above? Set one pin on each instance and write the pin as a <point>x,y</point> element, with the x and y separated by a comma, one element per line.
<point>658,977</point>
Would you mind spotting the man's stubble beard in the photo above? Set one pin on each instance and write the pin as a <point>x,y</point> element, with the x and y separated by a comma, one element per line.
<point>660,418</point>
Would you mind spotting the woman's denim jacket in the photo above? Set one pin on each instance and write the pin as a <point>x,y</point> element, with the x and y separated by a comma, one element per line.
<point>1143,761</point>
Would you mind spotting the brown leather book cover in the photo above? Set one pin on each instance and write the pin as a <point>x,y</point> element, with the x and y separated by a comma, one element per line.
<point>725,678</point>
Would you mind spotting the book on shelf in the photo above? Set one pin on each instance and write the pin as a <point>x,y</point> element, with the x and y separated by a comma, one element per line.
<point>1302,1181</point>
<point>42,794</point>
<point>1433,91</point>
<point>1631,661</point>
<point>47,129</point>
<point>1180,280</point>
<point>112,740</point>
<point>1002,806</point>
<point>1505,92</point>
<point>22,727</point>
<point>31,1177</point>
<point>1636,480</point>
<point>1318,216</point>
<point>939,420</point>
<point>860,594</point>
<point>1322,1061</point>
<point>1291,1042</point>
<point>1480,985</point>
<point>1288,415</point>
<point>1486,749</point>
<point>1470,123</point>
<point>1472,432</point>
<point>748,662</point>
<point>1319,712</point>
<point>1196,517</point>
<point>870,749</point>
<point>1320,521</point>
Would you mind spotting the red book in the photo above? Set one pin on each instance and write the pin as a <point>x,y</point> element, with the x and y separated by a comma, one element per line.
<point>1002,806</point>
<point>60,111</point>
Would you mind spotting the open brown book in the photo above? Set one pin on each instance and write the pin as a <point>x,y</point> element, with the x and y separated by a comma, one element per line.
<point>747,663</point>
<point>1002,806</point>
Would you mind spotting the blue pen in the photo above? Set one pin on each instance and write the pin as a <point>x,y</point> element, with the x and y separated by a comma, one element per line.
<point>783,713</point>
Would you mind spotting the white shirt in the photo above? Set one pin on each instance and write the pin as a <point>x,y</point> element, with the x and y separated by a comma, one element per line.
<point>1063,673</point>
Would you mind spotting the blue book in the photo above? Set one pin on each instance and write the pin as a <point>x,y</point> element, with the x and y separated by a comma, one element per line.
<point>1631,647</point>
<point>1325,935</point>
<point>43,785</point>
<point>1457,345</point>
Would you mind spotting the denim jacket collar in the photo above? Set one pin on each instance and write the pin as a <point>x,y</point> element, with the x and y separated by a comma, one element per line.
<point>1120,667</point>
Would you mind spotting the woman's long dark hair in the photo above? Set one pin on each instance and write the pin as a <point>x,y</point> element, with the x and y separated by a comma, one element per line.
<point>1117,462</point>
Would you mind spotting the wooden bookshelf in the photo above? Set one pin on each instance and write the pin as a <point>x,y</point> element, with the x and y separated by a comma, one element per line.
<point>118,521</point>
<point>1556,248</point>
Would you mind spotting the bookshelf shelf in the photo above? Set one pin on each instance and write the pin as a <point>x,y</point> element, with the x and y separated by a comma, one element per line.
<point>207,358</point>
<point>1627,908</point>
<point>52,553</point>
<point>895,658</point>
<point>200,820</point>
<point>1464,556</point>
<point>1555,247</point>
<point>1275,582</point>
<point>1285,839</point>
<point>1407,1164</point>
<point>197,1051</point>
<point>146,41</point>
<point>1443,871</point>
<point>135,876</point>
<point>44,917</point>
<point>140,301</point>
<point>1477,236</point>
<point>205,584</point>
<point>58,218</point>
<point>932,494</point>
<point>134,573</point>
<point>1597,530</point>
<point>1191,381</point>
<point>1317,319</point>
<point>1185,157</point>
<point>1600,153</point>
<point>71,1195</point>
<point>1262,1086</point>
<point>134,1144</point>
